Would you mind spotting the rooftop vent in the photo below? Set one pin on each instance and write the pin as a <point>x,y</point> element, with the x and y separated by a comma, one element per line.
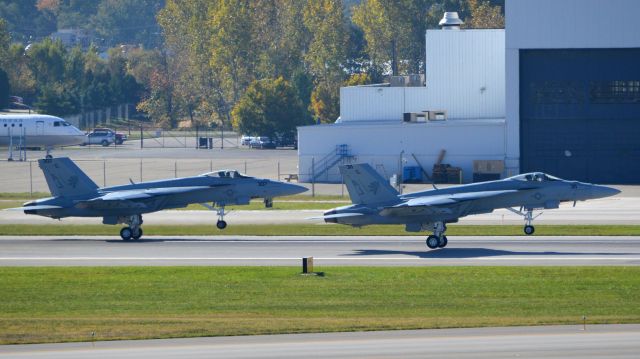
<point>450,21</point>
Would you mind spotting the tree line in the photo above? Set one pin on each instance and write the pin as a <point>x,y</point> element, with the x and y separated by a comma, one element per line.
<point>262,66</point>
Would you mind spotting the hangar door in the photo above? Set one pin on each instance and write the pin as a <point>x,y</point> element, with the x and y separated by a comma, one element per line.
<point>580,114</point>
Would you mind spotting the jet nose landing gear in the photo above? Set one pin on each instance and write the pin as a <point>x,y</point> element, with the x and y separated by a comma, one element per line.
<point>221,224</point>
<point>529,229</point>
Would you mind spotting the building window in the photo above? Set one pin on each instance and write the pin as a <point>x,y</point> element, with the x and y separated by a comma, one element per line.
<point>615,92</point>
<point>556,92</point>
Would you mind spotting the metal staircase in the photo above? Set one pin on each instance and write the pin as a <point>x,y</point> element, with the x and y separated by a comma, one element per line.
<point>322,166</point>
<point>17,142</point>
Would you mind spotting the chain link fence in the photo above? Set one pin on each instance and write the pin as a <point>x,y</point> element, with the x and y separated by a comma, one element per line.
<point>27,177</point>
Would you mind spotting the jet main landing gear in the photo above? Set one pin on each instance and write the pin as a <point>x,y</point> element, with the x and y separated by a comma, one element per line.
<point>133,231</point>
<point>268,202</point>
<point>438,239</point>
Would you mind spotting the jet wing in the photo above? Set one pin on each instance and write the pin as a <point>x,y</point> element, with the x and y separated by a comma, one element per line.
<point>147,193</point>
<point>134,198</point>
<point>438,204</point>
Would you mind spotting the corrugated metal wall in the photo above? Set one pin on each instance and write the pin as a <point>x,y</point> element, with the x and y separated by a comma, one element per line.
<point>465,72</point>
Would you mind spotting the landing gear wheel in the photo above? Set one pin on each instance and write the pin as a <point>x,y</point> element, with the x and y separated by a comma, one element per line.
<point>442,242</point>
<point>126,233</point>
<point>221,224</point>
<point>268,203</point>
<point>432,242</point>
<point>528,230</point>
<point>137,234</point>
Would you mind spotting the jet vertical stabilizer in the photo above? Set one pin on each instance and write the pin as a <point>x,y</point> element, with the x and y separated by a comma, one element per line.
<point>366,186</point>
<point>64,178</point>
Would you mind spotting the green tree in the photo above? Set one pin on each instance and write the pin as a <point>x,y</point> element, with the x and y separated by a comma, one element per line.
<point>46,60</point>
<point>128,22</point>
<point>21,77</point>
<point>326,56</point>
<point>394,32</point>
<point>484,15</point>
<point>198,88</point>
<point>160,102</point>
<point>54,100</point>
<point>24,21</point>
<point>5,42</point>
<point>325,102</point>
<point>231,46</point>
<point>358,79</point>
<point>269,107</point>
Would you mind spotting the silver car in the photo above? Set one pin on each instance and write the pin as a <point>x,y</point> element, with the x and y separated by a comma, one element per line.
<point>103,138</point>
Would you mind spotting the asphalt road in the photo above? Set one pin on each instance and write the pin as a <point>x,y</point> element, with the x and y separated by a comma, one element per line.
<point>601,341</point>
<point>327,251</point>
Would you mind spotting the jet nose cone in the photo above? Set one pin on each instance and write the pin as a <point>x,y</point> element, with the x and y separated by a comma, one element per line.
<point>603,191</point>
<point>289,189</point>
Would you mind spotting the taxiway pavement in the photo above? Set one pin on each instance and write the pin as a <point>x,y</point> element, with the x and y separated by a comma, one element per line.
<point>598,341</point>
<point>326,250</point>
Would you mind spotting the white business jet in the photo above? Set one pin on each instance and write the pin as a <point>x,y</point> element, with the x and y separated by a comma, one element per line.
<point>22,130</point>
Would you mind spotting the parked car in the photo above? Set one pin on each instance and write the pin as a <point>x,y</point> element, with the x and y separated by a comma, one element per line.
<point>262,142</point>
<point>120,137</point>
<point>246,140</point>
<point>287,140</point>
<point>104,138</point>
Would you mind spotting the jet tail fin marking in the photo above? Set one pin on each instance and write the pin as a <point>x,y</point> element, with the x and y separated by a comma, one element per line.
<point>65,178</point>
<point>366,186</point>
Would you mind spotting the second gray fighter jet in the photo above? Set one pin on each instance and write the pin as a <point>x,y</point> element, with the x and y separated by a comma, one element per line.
<point>376,202</point>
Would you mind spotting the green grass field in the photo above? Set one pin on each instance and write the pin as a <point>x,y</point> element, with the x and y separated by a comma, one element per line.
<point>52,304</point>
<point>316,230</point>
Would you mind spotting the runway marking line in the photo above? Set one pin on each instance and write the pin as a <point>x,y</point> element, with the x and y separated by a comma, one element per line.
<point>317,258</point>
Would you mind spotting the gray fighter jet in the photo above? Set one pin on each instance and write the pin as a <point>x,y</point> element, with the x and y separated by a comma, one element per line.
<point>76,195</point>
<point>376,202</point>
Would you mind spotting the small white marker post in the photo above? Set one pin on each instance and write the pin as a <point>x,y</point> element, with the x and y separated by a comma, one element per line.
<point>584,323</point>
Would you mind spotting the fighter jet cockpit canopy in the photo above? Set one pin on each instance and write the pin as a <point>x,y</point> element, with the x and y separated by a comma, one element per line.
<point>535,177</point>
<point>226,174</point>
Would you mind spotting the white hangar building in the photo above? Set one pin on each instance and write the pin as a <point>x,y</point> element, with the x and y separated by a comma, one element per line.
<point>557,91</point>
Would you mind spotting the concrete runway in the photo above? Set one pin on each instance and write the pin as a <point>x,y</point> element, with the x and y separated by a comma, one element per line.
<point>327,251</point>
<point>598,341</point>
